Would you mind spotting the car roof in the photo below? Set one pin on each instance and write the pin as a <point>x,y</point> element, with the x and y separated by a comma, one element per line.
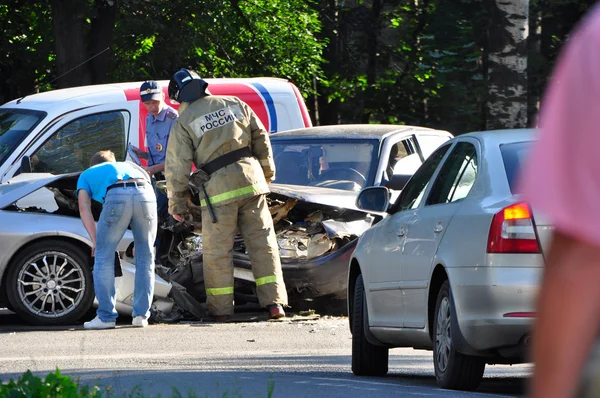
<point>353,131</point>
<point>499,137</point>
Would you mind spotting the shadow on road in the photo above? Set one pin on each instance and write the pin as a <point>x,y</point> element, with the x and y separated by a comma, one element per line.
<point>489,385</point>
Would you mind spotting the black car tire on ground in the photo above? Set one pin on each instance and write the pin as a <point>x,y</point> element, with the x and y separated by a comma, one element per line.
<point>367,359</point>
<point>453,370</point>
<point>55,291</point>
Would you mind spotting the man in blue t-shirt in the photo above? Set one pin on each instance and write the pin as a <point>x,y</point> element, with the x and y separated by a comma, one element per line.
<point>127,196</point>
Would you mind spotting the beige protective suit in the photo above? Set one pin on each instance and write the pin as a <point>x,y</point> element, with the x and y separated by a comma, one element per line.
<point>206,129</point>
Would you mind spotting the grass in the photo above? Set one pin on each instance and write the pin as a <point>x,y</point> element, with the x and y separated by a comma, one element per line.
<point>56,385</point>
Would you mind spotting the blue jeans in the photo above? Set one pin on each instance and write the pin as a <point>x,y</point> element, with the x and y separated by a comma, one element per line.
<point>135,206</point>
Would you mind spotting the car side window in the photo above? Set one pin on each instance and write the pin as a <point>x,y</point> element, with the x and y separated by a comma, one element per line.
<point>412,194</point>
<point>73,145</point>
<point>430,143</point>
<point>457,176</point>
<point>403,158</point>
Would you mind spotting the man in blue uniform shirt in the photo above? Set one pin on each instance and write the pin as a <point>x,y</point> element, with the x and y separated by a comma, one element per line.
<point>159,121</point>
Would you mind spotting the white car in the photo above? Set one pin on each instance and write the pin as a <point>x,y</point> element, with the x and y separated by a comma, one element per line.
<point>45,254</point>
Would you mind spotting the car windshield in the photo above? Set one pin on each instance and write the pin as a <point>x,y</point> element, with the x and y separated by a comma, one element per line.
<point>346,165</point>
<point>15,125</point>
<point>513,156</point>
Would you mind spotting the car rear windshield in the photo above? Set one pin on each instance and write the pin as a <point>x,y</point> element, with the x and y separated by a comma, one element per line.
<point>513,156</point>
<point>15,125</point>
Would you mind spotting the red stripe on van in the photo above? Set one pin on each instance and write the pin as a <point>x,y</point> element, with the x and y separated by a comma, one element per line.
<point>133,94</point>
<point>302,106</point>
<point>246,94</point>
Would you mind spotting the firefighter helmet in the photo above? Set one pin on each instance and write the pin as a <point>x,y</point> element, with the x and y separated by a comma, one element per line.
<point>186,86</point>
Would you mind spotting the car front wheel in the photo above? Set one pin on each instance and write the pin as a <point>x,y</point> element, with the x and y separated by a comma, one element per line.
<point>50,283</point>
<point>367,359</point>
<point>453,370</point>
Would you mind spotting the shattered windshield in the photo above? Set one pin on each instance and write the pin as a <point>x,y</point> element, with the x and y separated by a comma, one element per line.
<point>338,164</point>
<point>15,125</point>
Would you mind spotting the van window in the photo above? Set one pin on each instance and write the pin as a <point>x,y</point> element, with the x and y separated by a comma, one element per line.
<point>15,125</point>
<point>73,145</point>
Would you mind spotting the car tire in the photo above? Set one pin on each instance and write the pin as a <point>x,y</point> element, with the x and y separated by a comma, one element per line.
<point>453,370</point>
<point>50,283</point>
<point>367,359</point>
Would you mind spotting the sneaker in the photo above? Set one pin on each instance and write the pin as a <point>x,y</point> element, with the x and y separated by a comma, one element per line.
<point>276,311</point>
<point>139,321</point>
<point>98,323</point>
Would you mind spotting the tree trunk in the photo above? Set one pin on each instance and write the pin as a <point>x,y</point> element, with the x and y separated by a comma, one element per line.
<point>372,31</point>
<point>329,111</point>
<point>507,63</point>
<point>100,38</point>
<point>534,62</point>
<point>69,38</point>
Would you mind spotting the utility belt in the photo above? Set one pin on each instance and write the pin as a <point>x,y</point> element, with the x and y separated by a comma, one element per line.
<point>227,159</point>
<point>200,176</point>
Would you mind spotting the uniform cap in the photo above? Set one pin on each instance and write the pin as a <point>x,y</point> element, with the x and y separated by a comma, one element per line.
<point>150,90</point>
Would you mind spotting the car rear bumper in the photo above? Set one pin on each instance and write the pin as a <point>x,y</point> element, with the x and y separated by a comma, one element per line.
<point>494,306</point>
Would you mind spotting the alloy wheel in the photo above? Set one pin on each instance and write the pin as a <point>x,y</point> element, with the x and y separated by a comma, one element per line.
<point>51,284</point>
<point>443,338</point>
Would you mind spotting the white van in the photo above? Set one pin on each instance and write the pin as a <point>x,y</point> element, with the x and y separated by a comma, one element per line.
<point>58,131</point>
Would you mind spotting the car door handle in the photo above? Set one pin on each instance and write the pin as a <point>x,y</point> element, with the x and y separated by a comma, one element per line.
<point>438,228</point>
<point>401,231</point>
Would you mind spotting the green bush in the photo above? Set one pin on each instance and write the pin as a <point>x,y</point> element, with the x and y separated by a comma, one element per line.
<point>55,385</point>
<point>58,386</point>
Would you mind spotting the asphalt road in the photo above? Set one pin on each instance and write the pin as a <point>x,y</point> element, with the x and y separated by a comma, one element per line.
<point>305,356</point>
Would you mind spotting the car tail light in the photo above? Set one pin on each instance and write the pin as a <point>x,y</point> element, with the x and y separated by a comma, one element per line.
<point>512,231</point>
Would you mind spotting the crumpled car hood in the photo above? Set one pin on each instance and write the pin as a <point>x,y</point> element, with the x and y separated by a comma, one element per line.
<point>24,184</point>
<point>318,195</point>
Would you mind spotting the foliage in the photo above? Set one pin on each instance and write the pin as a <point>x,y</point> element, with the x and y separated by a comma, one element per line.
<point>232,38</point>
<point>27,47</point>
<point>55,385</point>
<point>419,62</point>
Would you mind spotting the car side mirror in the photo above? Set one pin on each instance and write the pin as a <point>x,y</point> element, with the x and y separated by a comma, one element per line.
<point>26,164</point>
<point>374,199</point>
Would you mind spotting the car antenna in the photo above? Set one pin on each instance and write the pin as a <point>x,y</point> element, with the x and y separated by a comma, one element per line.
<point>67,72</point>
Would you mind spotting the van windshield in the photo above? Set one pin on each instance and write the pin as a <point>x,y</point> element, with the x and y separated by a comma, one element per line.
<point>15,125</point>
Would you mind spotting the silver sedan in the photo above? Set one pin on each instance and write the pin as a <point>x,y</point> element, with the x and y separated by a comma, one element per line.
<point>453,265</point>
<point>45,254</point>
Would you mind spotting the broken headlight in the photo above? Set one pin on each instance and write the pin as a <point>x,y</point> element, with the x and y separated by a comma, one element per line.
<point>298,244</point>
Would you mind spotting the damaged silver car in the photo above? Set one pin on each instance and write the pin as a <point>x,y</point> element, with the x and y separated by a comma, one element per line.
<point>45,256</point>
<point>320,171</point>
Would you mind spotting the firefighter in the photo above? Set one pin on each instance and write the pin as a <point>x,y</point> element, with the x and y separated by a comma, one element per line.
<point>228,144</point>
